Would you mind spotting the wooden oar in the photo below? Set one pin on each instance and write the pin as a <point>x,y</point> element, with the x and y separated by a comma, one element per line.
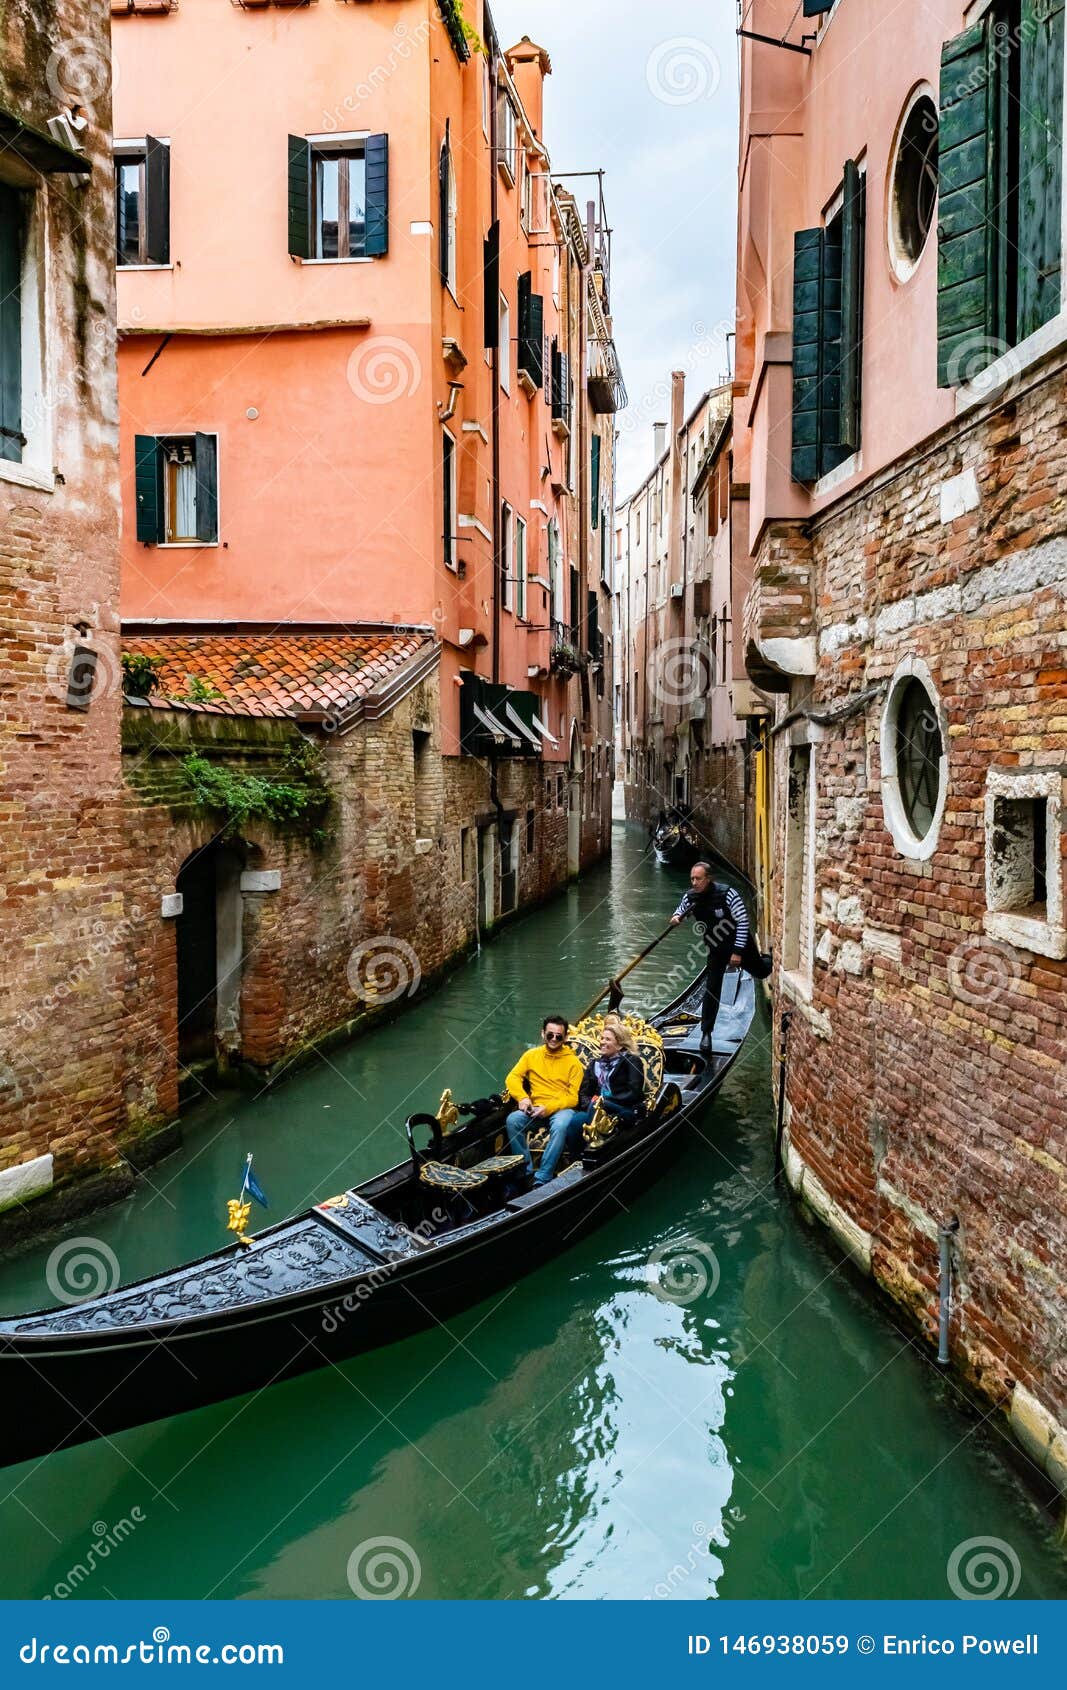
<point>622,975</point>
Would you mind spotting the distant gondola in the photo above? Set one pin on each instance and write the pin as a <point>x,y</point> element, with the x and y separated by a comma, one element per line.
<point>404,1250</point>
<point>675,845</point>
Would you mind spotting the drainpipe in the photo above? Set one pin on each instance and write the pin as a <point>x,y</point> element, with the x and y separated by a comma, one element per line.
<point>780,1125</point>
<point>945,1235</point>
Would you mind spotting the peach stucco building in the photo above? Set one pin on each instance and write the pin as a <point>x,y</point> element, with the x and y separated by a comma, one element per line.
<point>367,387</point>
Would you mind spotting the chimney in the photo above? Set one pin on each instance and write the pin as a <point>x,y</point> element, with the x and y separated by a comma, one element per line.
<point>529,64</point>
<point>659,441</point>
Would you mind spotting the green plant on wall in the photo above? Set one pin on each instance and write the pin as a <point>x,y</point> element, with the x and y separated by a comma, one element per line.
<point>197,691</point>
<point>140,674</point>
<point>242,798</point>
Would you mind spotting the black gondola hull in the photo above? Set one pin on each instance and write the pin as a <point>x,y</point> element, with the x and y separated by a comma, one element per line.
<point>72,1384</point>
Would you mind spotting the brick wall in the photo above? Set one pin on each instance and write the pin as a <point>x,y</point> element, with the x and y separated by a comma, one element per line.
<point>926,1066</point>
<point>64,905</point>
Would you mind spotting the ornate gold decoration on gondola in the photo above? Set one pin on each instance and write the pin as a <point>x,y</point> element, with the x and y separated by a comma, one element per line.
<point>585,1038</point>
<point>340,1202</point>
<point>600,1128</point>
<point>447,1113</point>
<point>238,1221</point>
<point>445,1176</point>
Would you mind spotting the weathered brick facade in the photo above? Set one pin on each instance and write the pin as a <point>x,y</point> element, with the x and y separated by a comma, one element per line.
<point>928,1041</point>
<point>64,904</point>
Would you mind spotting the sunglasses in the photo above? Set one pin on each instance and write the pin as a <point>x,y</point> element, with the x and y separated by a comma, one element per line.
<point>555,1038</point>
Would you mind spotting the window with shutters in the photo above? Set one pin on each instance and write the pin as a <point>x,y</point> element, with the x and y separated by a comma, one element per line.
<point>176,479</point>
<point>142,203</point>
<point>1000,185</point>
<point>338,198</point>
<point>449,215</point>
<point>531,336</point>
<point>14,213</point>
<point>828,333</point>
<point>449,493</point>
<point>555,572</point>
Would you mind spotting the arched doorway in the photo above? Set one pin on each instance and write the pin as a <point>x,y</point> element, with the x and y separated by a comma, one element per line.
<point>574,804</point>
<point>210,954</point>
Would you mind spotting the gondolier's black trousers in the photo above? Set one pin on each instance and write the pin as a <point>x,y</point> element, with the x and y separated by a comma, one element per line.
<point>718,963</point>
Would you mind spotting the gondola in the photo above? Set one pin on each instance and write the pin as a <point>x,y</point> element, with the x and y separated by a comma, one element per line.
<point>675,845</point>
<point>406,1249</point>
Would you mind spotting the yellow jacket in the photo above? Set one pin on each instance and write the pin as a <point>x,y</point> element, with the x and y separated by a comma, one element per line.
<point>550,1078</point>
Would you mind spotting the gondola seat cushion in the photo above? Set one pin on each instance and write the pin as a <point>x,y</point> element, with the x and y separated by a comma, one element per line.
<point>499,1164</point>
<point>443,1176</point>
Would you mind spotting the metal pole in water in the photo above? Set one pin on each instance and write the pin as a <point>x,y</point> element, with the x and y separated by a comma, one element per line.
<point>944,1236</point>
<point>780,1125</point>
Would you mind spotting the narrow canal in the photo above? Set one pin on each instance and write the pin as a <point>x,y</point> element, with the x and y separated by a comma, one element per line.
<point>573,1436</point>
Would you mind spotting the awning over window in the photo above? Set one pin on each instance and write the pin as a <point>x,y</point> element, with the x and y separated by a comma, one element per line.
<point>38,149</point>
<point>500,719</point>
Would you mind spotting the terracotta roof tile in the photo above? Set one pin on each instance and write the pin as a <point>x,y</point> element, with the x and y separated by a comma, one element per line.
<point>273,674</point>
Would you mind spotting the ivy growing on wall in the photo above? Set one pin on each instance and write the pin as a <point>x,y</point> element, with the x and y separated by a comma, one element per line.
<point>301,803</point>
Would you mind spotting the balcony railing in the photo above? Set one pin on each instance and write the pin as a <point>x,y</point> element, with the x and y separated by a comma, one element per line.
<point>607,390</point>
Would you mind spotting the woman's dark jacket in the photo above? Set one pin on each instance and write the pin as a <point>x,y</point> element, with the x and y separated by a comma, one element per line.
<point>626,1085</point>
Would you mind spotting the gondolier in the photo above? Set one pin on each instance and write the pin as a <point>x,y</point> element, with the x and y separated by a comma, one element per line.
<point>721,914</point>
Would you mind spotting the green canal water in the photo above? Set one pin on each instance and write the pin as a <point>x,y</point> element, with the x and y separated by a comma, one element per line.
<point>575,1435</point>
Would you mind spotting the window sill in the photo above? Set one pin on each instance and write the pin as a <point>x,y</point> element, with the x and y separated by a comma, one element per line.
<point>1026,933</point>
<point>989,384</point>
<point>182,545</point>
<point>837,477</point>
<point>20,475</point>
<point>124,269</point>
<point>337,261</point>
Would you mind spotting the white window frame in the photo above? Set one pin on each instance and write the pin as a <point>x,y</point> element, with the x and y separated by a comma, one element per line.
<point>504,344</point>
<point>507,127</point>
<point>123,149</point>
<point>555,574</point>
<point>507,597</point>
<point>336,143</point>
<point>1029,933</point>
<point>911,668</point>
<point>522,564</point>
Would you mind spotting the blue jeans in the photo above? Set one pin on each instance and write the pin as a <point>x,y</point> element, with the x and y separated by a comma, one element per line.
<point>559,1134</point>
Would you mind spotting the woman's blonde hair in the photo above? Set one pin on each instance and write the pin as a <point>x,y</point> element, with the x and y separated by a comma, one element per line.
<point>614,1024</point>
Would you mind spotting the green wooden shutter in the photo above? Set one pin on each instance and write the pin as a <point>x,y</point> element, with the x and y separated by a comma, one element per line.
<point>1040,163</point>
<point>443,201</point>
<point>807,311</point>
<point>594,478</point>
<point>812,8</point>
<point>377,159</point>
<point>11,436</point>
<point>531,331</point>
<point>148,486</point>
<point>966,212</point>
<point>831,450</point>
<point>299,197</point>
<point>157,201</point>
<point>207,487</point>
<point>120,214</point>
<point>852,249</point>
<point>491,287</point>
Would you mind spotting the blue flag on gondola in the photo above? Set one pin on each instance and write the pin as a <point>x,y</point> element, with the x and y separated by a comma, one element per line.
<point>252,1186</point>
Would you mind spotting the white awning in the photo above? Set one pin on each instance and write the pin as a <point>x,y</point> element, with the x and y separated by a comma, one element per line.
<point>491,725</point>
<point>527,733</point>
<point>540,726</point>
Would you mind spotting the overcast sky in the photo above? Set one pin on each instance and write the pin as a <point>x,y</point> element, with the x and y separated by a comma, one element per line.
<point>647,89</point>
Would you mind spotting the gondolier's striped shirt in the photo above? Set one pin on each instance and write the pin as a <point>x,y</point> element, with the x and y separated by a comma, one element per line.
<point>734,903</point>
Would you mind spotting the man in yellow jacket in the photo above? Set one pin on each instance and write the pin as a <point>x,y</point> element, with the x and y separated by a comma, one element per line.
<point>545,1084</point>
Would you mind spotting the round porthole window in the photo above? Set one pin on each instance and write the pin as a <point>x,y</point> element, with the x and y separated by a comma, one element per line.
<point>913,184</point>
<point>914,763</point>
